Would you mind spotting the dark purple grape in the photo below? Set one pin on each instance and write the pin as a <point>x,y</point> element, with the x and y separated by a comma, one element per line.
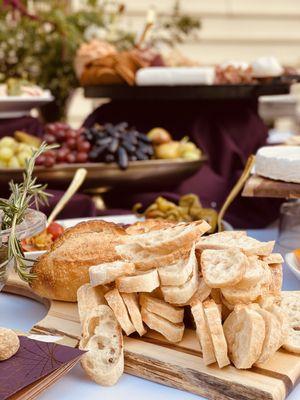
<point>104,142</point>
<point>109,158</point>
<point>128,146</point>
<point>144,138</point>
<point>113,147</point>
<point>141,156</point>
<point>122,158</point>
<point>133,158</point>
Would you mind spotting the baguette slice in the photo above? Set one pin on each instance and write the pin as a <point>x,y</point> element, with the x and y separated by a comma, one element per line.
<point>142,282</point>
<point>277,278</point>
<point>272,341</point>
<point>244,330</point>
<point>161,308</point>
<point>116,303</point>
<point>228,240</point>
<point>203,333</point>
<point>177,274</point>
<point>108,272</point>
<point>273,258</point>
<point>214,323</point>
<point>88,298</point>
<point>131,302</point>
<point>290,305</point>
<point>104,360</point>
<point>292,342</point>
<point>150,224</point>
<point>172,332</point>
<point>222,268</point>
<point>180,295</point>
<point>166,240</point>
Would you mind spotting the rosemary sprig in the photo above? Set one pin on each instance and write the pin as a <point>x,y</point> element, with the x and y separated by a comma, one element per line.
<point>23,196</point>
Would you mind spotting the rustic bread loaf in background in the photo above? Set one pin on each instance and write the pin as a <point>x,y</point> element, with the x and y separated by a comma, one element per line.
<point>63,269</point>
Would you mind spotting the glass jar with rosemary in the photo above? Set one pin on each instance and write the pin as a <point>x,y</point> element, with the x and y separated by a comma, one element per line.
<point>18,220</point>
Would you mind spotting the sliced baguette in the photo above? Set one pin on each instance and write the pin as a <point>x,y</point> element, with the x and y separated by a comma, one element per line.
<point>150,224</point>
<point>131,302</point>
<point>222,268</point>
<point>160,307</point>
<point>180,295</point>
<point>108,272</point>
<point>273,258</point>
<point>203,333</point>
<point>290,305</point>
<point>292,342</point>
<point>145,260</point>
<point>214,323</point>
<point>273,334</point>
<point>244,331</point>
<point>104,360</point>
<point>202,292</point>
<point>177,274</point>
<point>116,303</point>
<point>172,332</point>
<point>145,281</point>
<point>277,278</point>
<point>88,298</point>
<point>228,240</point>
<point>166,240</point>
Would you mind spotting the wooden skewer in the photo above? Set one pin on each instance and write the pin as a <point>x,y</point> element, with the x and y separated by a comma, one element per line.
<point>236,189</point>
<point>77,181</point>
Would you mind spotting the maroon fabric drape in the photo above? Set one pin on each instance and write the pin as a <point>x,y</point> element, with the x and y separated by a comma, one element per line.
<point>227,131</point>
<point>28,124</point>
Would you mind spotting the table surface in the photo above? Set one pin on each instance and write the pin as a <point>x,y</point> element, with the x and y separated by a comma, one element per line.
<point>21,313</point>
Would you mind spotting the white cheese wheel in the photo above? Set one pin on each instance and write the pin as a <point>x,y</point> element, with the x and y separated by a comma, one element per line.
<point>279,162</point>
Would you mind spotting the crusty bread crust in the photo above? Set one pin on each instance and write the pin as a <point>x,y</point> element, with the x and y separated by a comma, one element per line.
<point>62,270</point>
<point>150,224</point>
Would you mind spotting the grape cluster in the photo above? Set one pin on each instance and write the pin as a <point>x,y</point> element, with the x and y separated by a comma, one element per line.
<point>73,148</point>
<point>118,143</point>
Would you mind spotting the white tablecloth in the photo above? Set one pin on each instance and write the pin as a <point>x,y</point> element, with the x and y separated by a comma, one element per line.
<point>20,313</point>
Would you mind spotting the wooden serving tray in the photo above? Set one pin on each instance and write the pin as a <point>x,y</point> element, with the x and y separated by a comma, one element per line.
<point>257,186</point>
<point>179,366</point>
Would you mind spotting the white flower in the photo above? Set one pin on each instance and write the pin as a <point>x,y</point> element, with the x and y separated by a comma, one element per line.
<point>95,32</point>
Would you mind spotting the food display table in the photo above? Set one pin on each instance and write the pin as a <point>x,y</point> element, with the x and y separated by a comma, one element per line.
<point>20,313</point>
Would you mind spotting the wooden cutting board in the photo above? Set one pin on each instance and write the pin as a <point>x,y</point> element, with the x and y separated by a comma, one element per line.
<point>257,186</point>
<point>179,366</point>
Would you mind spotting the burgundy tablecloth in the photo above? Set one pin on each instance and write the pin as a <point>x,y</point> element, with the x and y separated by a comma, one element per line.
<point>227,131</point>
<point>28,124</point>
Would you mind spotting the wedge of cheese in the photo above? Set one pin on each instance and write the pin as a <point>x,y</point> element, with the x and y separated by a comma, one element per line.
<point>279,163</point>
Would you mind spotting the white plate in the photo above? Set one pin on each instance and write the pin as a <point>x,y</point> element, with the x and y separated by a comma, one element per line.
<point>18,106</point>
<point>293,264</point>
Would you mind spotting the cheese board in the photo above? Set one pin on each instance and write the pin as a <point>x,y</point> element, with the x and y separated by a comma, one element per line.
<point>257,186</point>
<point>179,366</point>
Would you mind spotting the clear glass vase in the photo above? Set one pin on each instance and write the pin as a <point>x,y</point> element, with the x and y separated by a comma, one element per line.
<point>33,223</point>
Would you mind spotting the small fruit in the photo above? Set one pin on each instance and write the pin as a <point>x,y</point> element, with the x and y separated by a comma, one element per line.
<point>6,153</point>
<point>13,163</point>
<point>159,136</point>
<point>168,150</point>
<point>190,155</point>
<point>22,157</point>
<point>8,141</point>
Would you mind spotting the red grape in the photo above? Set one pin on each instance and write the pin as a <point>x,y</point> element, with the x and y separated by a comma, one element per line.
<point>60,135</point>
<point>40,160</point>
<point>83,146</point>
<point>81,157</point>
<point>70,134</point>
<point>62,153</point>
<point>71,143</point>
<point>70,158</point>
<point>50,139</point>
<point>49,161</point>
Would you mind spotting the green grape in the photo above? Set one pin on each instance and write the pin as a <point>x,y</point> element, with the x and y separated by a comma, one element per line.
<point>6,153</point>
